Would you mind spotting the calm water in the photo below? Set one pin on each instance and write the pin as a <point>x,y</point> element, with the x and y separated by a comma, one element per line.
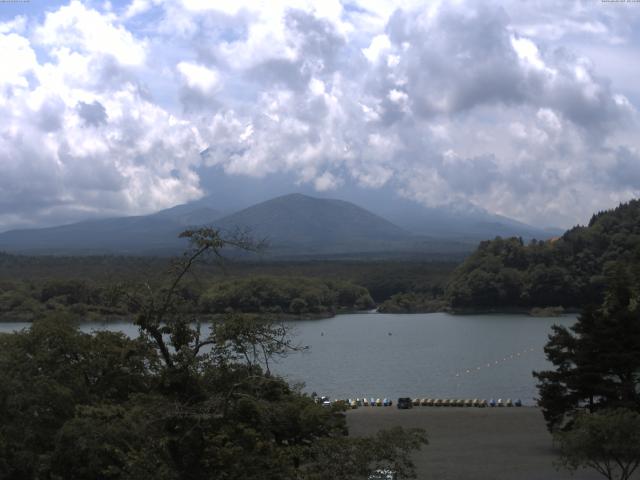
<point>424,355</point>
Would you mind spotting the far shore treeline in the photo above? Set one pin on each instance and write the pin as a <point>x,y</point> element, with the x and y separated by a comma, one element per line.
<point>568,272</point>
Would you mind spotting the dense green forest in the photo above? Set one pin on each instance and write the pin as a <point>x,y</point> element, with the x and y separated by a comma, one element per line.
<point>290,295</point>
<point>94,287</point>
<point>569,271</point>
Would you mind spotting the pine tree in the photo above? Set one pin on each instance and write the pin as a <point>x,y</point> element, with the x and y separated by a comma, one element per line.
<point>597,360</point>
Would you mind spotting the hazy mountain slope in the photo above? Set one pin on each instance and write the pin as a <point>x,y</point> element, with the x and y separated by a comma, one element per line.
<point>295,221</point>
<point>462,222</point>
<point>294,224</point>
<point>122,235</point>
<point>190,214</point>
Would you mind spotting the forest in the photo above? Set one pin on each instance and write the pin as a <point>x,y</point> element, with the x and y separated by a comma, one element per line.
<point>94,287</point>
<point>569,271</point>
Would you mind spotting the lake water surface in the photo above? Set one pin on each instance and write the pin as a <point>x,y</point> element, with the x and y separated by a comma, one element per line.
<point>420,355</point>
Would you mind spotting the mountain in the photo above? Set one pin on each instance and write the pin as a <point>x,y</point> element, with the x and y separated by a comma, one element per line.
<point>463,222</point>
<point>293,225</point>
<point>302,223</point>
<point>152,234</point>
<point>189,215</point>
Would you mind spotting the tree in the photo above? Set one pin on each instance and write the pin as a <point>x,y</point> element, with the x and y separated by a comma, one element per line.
<point>597,360</point>
<point>608,442</point>
<point>182,401</point>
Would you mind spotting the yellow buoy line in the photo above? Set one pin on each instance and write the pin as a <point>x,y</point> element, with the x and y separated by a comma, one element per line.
<point>422,402</point>
<point>494,363</point>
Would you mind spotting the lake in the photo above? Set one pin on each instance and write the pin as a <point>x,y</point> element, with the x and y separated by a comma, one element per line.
<point>419,355</point>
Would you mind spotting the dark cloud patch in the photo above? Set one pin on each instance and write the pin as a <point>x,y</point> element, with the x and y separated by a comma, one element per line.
<point>49,117</point>
<point>93,114</point>
<point>321,45</point>
<point>320,52</point>
<point>465,58</point>
<point>280,73</point>
<point>461,60</point>
<point>197,102</point>
<point>469,175</point>
<point>625,173</point>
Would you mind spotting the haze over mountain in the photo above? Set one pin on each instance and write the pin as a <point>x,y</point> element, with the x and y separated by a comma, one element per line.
<point>293,224</point>
<point>301,222</point>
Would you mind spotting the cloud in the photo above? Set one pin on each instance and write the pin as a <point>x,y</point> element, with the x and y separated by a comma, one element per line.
<point>19,59</point>
<point>92,113</point>
<point>497,104</point>
<point>79,139</point>
<point>84,30</point>
<point>198,77</point>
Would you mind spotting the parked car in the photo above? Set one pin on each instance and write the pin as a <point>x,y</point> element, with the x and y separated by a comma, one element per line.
<point>404,402</point>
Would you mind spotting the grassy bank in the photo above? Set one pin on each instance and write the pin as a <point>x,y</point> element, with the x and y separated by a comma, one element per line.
<point>474,444</point>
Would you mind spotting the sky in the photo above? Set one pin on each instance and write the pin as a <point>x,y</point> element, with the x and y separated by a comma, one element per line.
<point>527,109</point>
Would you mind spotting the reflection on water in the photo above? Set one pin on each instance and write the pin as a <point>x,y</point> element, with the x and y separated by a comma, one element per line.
<point>425,355</point>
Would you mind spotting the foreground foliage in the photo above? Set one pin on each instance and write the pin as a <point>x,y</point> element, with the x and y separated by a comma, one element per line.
<point>182,401</point>
<point>597,360</point>
<point>608,442</point>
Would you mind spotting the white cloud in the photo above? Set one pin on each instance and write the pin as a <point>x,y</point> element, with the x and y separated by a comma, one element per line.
<point>200,77</point>
<point>17,25</point>
<point>105,110</point>
<point>18,59</point>
<point>84,30</point>
<point>326,181</point>
<point>379,45</point>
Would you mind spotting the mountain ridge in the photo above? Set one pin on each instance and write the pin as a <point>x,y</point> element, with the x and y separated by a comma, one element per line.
<point>295,224</point>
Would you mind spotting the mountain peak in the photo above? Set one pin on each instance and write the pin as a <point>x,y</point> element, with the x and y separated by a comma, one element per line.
<point>301,220</point>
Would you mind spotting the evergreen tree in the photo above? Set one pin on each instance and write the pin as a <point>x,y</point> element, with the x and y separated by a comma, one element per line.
<point>597,360</point>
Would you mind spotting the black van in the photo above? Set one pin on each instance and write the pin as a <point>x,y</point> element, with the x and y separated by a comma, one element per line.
<point>404,402</point>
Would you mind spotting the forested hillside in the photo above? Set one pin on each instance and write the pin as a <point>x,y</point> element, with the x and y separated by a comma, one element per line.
<point>289,295</point>
<point>569,271</point>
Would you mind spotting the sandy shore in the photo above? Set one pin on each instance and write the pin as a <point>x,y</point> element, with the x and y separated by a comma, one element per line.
<point>473,443</point>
